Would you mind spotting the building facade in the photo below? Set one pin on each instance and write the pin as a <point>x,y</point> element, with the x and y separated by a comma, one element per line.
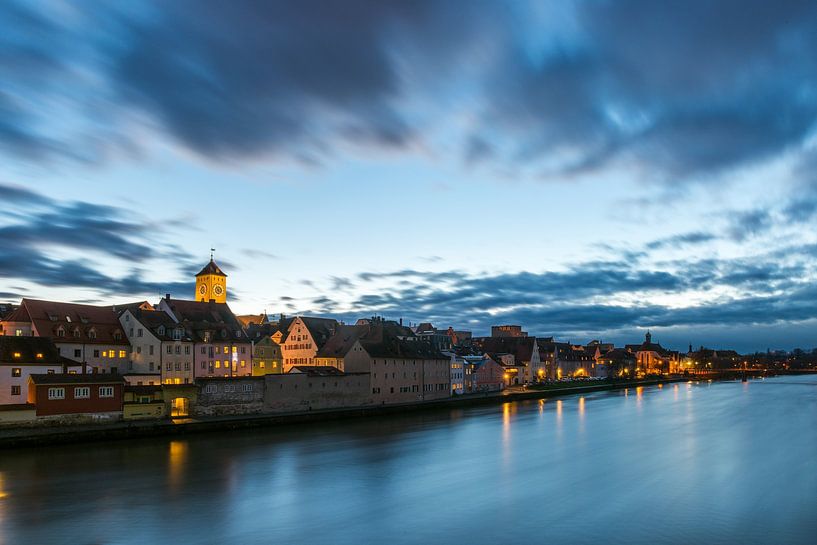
<point>21,357</point>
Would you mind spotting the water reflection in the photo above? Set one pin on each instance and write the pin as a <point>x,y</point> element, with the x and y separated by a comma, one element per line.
<point>697,469</point>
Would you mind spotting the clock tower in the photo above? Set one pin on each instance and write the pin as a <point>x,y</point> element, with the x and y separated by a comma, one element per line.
<point>211,283</point>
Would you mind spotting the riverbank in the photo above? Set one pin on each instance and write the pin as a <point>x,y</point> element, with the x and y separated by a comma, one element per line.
<point>27,437</point>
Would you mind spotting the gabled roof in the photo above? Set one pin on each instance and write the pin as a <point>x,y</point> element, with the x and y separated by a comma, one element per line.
<point>86,324</point>
<point>339,344</point>
<point>160,324</point>
<point>211,268</point>
<point>252,319</point>
<point>618,355</point>
<point>201,317</point>
<point>138,305</point>
<point>77,378</point>
<point>29,348</point>
<point>321,329</point>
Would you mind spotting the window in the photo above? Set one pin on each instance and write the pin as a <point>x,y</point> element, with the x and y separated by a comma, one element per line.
<point>56,393</point>
<point>243,349</point>
<point>178,349</point>
<point>19,332</point>
<point>167,366</point>
<point>211,389</point>
<point>150,350</point>
<point>60,332</point>
<point>187,350</point>
<point>203,350</point>
<point>130,332</point>
<point>77,353</point>
<point>248,387</point>
<point>178,366</point>
<point>243,363</point>
<point>82,392</point>
<point>123,354</point>
<point>96,353</point>
<point>226,349</point>
<point>150,366</point>
<point>15,390</point>
<point>106,391</point>
<point>229,387</point>
<point>169,349</point>
<point>139,332</point>
<point>218,364</point>
<point>187,366</point>
<point>16,371</point>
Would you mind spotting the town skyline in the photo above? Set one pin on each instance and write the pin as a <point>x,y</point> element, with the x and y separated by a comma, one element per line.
<point>557,176</point>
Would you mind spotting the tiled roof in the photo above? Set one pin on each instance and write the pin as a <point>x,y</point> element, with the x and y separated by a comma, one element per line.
<point>201,317</point>
<point>342,341</point>
<point>321,329</point>
<point>78,378</point>
<point>28,348</point>
<point>86,324</point>
<point>211,268</point>
<point>161,324</point>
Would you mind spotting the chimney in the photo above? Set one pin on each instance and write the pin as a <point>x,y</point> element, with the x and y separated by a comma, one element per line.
<point>167,296</point>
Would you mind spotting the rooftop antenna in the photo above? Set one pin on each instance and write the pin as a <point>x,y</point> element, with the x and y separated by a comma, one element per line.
<point>212,250</point>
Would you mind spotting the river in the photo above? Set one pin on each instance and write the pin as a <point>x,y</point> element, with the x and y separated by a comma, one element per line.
<point>684,463</point>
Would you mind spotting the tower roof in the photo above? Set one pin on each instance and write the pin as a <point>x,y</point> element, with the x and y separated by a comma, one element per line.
<point>211,268</point>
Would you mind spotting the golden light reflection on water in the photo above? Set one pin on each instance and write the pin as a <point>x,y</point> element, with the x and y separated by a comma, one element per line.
<point>581,407</point>
<point>3,493</point>
<point>177,459</point>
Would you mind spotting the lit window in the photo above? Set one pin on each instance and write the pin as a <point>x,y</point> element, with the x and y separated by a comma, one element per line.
<point>16,354</point>
<point>39,356</point>
<point>122,353</point>
<point>16,371</point>
<point>218,364</point>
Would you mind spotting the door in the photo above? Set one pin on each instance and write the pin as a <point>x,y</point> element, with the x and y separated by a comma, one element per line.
<point>179,407</point>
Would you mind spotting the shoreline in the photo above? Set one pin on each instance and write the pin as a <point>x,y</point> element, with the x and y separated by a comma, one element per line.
<point>33,437</point>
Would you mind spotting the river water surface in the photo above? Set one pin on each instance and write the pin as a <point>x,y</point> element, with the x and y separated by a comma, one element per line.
<point>687,463</point>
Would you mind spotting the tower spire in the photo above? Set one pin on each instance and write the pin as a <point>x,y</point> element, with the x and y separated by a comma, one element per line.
<point>212,251</point>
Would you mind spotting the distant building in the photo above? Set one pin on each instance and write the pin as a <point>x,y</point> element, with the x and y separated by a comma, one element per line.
<point>403,367</point>
<point>616,363</point>
<point>489,376</point>
<point>518,354</point>
<point>652,358</point>
<point>21,357</point>
<point>508,331</point>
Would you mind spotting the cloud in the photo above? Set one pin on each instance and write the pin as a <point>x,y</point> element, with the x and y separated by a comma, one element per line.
<point>684,239</point>
<point>34,243</point>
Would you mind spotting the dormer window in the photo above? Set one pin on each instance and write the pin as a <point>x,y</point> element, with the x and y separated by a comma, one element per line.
<point>224,333</point>
<point>177,334</point>
<point>77,333</point>
<point>117,335</point>
<point>68,319</point>
<point>92,334</point>
<point>60,331</point>
<point>53,317</point>
<point>161,330</point>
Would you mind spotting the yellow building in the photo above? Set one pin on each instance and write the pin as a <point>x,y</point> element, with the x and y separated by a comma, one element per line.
<point>211,284</point>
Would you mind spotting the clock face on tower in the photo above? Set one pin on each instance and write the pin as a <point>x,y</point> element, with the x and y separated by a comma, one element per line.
<point>203,289</point>
<point>218,290</point>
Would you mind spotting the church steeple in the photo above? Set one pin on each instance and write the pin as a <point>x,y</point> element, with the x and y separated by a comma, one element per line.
<point>648,337</point>
<point>211,282</point>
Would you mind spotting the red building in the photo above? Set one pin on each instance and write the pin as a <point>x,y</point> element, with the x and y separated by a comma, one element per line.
<point>490,376</point>
<point>54,394</point>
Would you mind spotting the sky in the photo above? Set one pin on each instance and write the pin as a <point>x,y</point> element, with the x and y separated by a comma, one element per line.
<point>588,169</point>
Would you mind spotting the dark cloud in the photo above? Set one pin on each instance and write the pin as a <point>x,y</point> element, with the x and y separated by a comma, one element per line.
<point>687,89</point>
<point>34,245</point>
<point>588,298</point>
<point>684,239</point>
